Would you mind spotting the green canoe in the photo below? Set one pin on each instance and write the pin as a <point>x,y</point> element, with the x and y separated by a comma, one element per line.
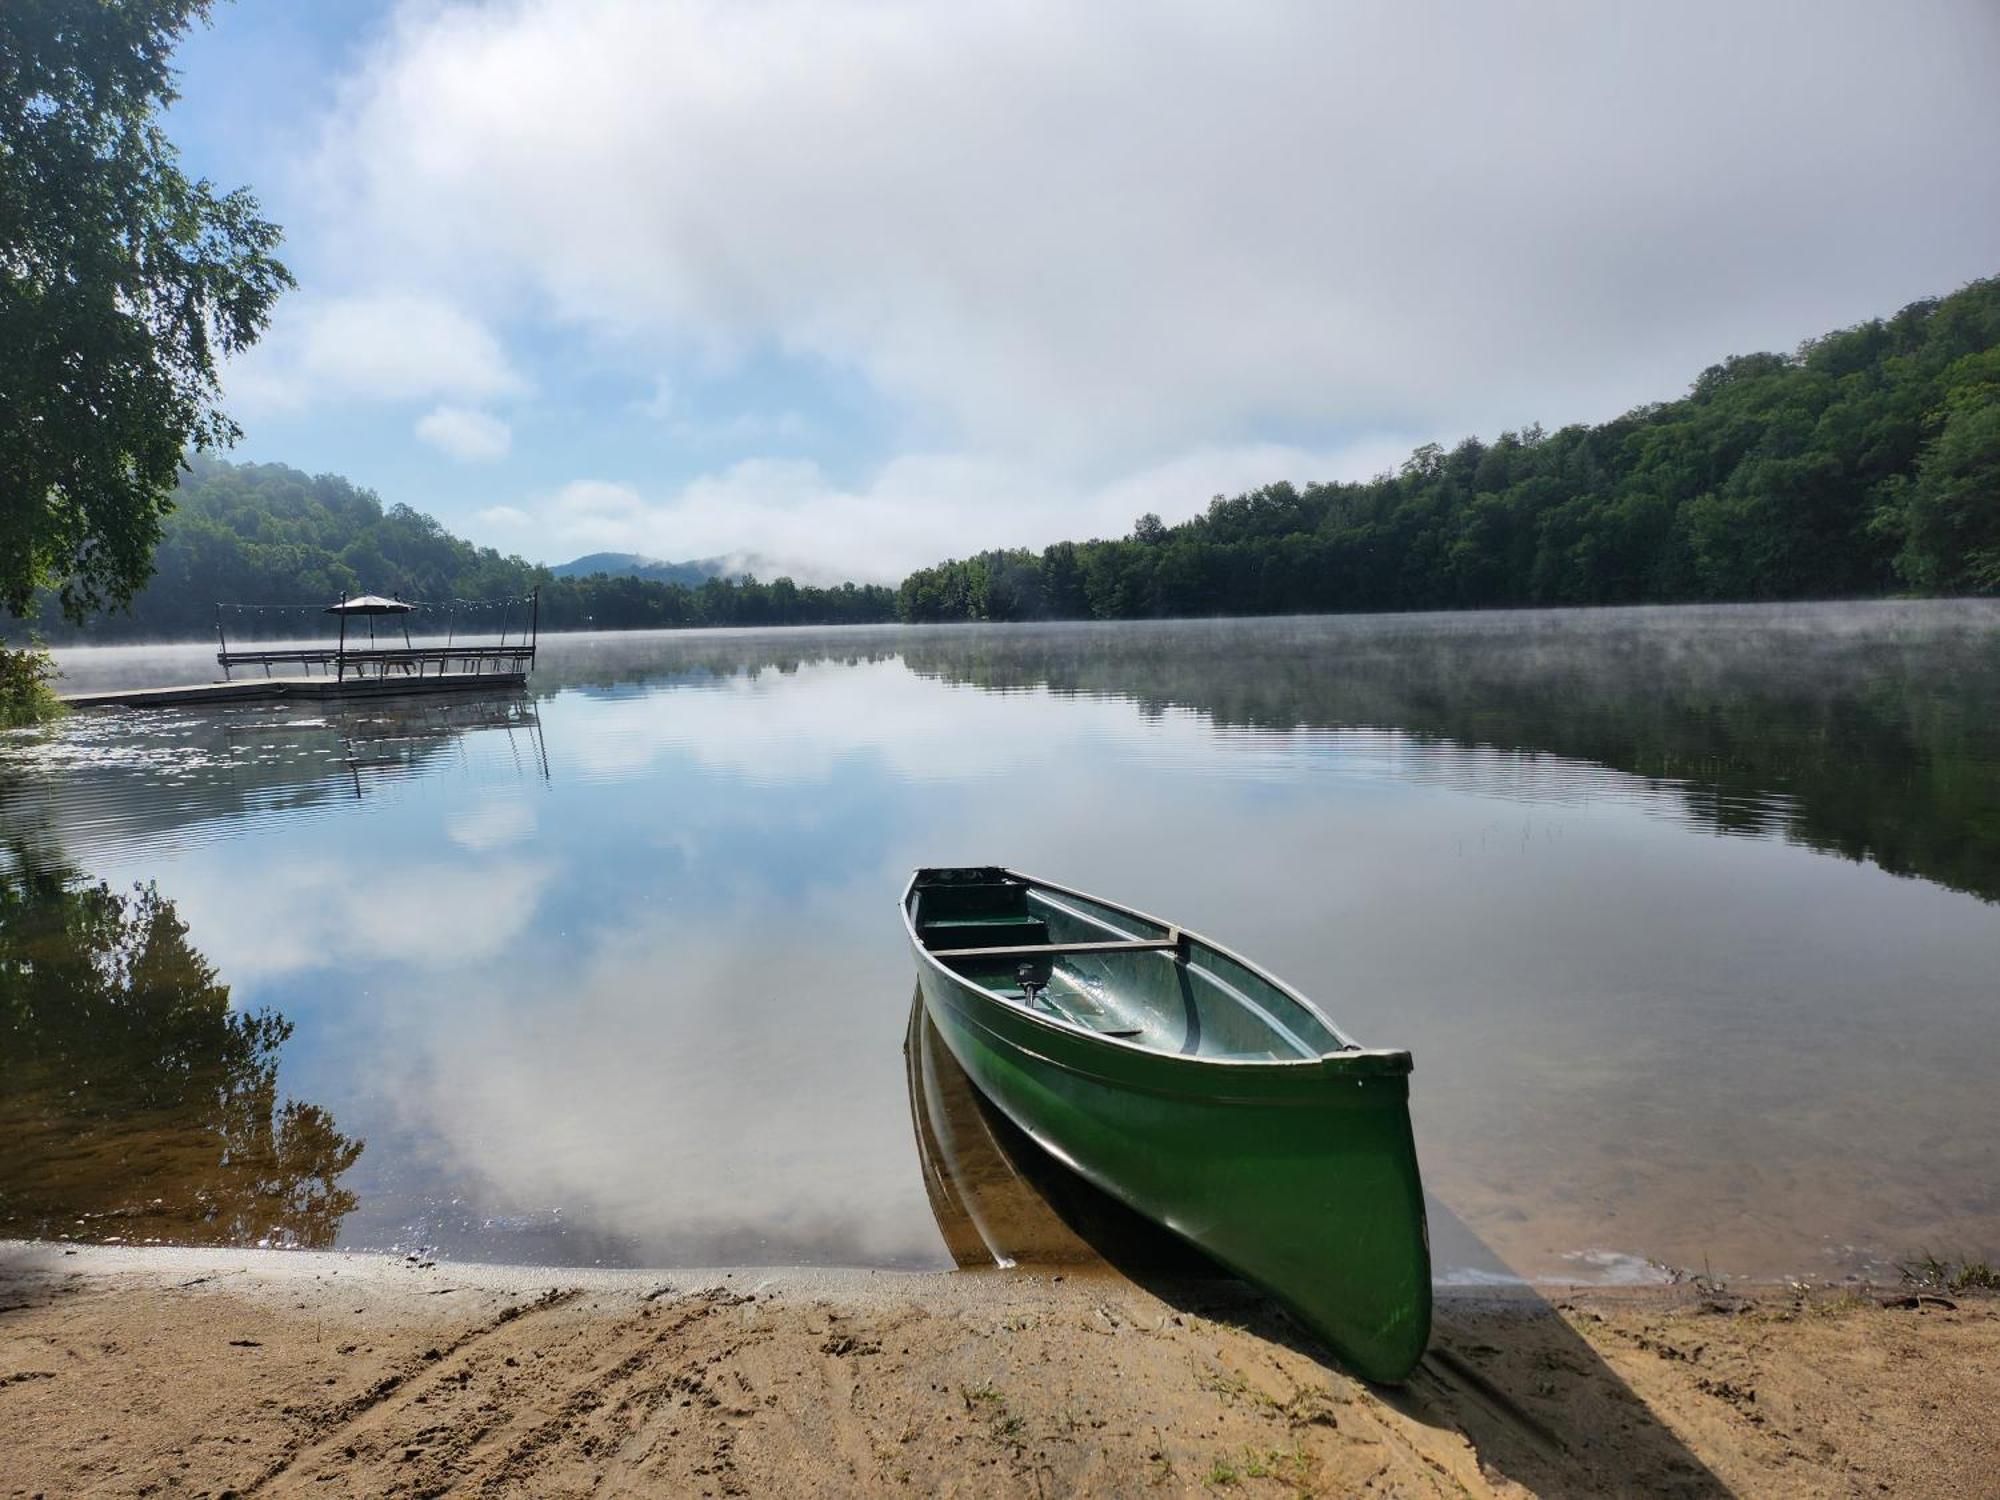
<point>1182,1080</point>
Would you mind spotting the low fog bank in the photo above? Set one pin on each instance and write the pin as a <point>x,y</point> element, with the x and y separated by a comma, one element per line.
<point>1546,633</point>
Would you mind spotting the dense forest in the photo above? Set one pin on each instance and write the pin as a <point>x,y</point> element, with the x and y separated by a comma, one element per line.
<point>1866,463</point>
<point>268,534</point>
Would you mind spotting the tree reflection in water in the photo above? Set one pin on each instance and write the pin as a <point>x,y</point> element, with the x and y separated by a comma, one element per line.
<point>135,1103</point>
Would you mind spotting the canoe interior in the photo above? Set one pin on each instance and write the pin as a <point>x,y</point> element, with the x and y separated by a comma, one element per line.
<point>1184,997</point>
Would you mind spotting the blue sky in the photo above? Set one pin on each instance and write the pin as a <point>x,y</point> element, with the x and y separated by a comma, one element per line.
<point>257,88</point>
<point>853,286</point>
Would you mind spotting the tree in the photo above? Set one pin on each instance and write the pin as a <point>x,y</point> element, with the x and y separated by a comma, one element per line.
<point>1775,477</point>
<point>1952,513</point>
<point>121,282</point>
<point>120,1047</point>
<point>264,534</point>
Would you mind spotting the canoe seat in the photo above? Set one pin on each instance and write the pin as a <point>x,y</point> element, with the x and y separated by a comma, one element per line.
<point>951,903</point>
<point>985,932</point>
<point>1056,950</point>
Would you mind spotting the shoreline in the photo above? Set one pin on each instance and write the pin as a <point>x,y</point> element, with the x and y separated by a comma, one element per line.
<point>130,1370</point>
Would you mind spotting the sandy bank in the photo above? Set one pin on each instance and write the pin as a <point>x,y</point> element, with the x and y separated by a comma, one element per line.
<point>127,1371</point>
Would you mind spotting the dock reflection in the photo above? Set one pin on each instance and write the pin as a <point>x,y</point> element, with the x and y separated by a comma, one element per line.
<point>403,739</point>
<point>112,782</point>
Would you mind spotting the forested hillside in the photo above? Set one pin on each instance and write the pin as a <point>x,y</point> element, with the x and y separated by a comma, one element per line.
<point>1866,463</point>
<point>268,534</point>
<point>694,573</point>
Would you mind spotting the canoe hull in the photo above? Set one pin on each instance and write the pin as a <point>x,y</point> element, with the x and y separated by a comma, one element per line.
<point>1301,1178</point>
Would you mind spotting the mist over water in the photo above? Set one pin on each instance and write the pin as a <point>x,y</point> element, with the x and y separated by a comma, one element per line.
<point>1691,917</point>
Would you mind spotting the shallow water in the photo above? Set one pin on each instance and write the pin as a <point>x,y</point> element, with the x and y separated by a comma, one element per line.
<point>1689,917</point>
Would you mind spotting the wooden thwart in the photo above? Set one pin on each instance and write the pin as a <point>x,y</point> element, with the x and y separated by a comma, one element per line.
<point>1038,950</point>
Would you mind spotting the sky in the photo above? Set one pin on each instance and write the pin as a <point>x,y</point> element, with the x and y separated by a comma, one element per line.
<point>853,286</point>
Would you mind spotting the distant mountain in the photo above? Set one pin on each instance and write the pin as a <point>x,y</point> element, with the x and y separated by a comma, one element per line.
<point>691,574</point>
<point>632,565</point>
<point>283,543</point>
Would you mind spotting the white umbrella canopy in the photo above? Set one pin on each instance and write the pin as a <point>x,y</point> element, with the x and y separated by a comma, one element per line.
<point>369,604</point>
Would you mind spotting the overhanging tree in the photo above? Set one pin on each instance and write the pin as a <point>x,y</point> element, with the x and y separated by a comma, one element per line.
<point>122,282</point>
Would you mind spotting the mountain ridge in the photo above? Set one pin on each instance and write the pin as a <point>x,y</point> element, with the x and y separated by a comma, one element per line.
<point>691,573</point>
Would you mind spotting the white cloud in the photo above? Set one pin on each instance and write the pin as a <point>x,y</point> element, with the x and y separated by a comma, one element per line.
<point>777,729</point>
<point>914,510</point>
<point>503,515</point>
<point>301,915</point>
<point>492,824</point>
<point>592,515</point>
<point>624,1103</point>
<point>739,429</point>
<point>383,346</point>
<point>468,435</point>
<point>1109,232</point>
<point>593,499</point>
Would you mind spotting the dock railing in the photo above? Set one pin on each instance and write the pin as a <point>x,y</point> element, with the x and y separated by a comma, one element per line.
<point>468,648</point>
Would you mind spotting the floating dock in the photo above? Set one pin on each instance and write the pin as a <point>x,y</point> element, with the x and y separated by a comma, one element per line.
<point>287,689</point>
<point>347,672</point>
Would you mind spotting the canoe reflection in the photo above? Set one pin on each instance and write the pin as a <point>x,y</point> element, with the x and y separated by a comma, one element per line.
<point>1000,1200</point>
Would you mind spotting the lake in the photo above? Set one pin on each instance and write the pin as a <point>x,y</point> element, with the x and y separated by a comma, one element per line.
<point>1691,918</point>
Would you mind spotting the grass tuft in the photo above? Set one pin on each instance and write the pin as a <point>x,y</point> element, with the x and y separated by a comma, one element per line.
<point>1296,1467</point>
<point>1945,1274</point>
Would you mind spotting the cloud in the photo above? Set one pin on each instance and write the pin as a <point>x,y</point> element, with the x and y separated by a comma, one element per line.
<point>625,1103</point>
<point>776,729</point>
<point>739,429</point>
<point>468,435</point>
<point>914,510</point>
<point>492,824</point>
<point>307,914</point>
<point>1108,233</point>
<point>595,499</point>
<point>382,346</point>
<point>588,515</point>
<point>503,515</point>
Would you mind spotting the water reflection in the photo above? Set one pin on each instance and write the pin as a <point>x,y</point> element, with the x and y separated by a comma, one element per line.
<point>645,1009</point>
<point>103,781</point>
<point>135,1103</point>
<point>1870,731</point>
<point>999,1199</point>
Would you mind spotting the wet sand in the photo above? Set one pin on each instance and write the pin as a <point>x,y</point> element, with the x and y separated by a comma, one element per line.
<point>202,1372</point>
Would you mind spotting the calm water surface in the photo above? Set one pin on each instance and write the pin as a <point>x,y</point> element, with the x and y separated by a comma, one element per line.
<point>1688,916</point>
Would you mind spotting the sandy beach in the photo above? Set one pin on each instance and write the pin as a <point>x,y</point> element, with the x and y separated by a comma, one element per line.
<point>145,1371</point>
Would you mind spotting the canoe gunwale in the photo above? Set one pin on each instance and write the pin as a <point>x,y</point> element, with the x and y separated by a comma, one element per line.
<point>1351,1059</point>
<point>1298,1174</point>
<point>1254,1084</point>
